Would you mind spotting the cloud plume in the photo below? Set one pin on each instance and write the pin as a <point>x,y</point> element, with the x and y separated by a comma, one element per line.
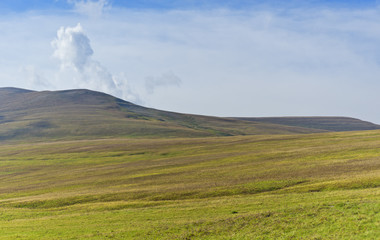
<point>73,49</point>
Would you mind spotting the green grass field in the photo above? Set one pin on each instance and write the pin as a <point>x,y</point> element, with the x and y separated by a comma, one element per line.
<point>313,186</point>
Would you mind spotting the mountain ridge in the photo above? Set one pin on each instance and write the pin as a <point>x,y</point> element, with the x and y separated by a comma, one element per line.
<point>83,113</point>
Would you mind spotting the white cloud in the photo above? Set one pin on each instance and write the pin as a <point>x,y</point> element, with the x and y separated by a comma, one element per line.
<point>72,48</point>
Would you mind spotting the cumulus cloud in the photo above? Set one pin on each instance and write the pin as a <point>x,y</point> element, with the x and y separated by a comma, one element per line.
<point>73,49</point>
<point>166,79</point>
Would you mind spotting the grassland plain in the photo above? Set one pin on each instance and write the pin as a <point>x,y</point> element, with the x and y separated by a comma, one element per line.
<point>313,186</point>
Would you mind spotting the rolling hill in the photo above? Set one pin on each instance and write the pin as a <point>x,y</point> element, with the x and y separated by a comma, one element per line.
<point>78,114</point>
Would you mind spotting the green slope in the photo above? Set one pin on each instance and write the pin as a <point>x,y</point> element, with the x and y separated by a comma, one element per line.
<point>313,186</point>
<point>74,114</point>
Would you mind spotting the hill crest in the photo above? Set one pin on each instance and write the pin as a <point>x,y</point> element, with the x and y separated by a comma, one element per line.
<point>82,113</point>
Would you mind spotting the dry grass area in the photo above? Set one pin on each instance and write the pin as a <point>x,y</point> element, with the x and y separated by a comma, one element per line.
<point>314,186</point>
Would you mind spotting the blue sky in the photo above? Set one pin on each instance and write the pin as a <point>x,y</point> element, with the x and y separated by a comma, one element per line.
<point>23,5</point>
<point>223,58</point>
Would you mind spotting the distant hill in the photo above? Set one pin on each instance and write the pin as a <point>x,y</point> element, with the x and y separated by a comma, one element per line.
<point>336,124</point>
<point>80,113</point>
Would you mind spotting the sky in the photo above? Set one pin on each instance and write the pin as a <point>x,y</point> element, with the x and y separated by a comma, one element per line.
<point>222,58</point>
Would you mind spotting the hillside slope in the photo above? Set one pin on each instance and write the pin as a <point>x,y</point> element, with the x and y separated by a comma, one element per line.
<point>73,114</point>
<point>78,114</point>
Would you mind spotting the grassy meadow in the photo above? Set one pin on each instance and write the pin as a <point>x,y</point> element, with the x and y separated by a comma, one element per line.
<point>312,186</point>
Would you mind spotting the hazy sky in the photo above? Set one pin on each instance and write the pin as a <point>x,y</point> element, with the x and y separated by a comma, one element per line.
<point>224,58</point>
